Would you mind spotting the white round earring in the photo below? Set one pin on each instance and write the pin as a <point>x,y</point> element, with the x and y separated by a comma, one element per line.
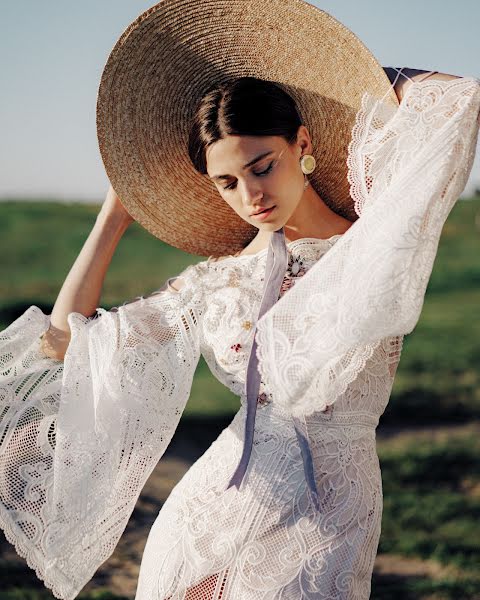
<point>307,163</point>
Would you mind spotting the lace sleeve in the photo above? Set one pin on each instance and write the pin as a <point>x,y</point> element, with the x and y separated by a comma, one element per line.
<point>79,438</point>
<point>407,167</point>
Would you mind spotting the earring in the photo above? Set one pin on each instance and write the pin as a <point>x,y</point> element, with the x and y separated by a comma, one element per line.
<point>307,163</point>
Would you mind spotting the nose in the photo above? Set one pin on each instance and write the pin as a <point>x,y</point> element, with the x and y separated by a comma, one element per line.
<point>252,193</point>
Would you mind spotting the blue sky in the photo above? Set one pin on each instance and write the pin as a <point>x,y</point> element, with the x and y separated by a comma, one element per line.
<point>53,53</point>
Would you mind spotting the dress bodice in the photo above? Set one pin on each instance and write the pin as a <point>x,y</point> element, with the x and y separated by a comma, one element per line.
<point>234,288</point>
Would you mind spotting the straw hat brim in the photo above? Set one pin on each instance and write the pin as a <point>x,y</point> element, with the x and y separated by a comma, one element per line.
<point>167,59</point>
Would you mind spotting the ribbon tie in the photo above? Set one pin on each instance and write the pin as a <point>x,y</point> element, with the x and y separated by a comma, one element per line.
<point>276,266</point>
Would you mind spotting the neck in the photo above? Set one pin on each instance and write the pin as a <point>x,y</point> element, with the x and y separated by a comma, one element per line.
<point>311,218</point>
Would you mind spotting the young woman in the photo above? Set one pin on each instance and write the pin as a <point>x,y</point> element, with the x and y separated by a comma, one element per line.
<point>90,402</point>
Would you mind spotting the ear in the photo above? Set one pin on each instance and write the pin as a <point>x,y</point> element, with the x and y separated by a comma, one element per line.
<point>304,140</point>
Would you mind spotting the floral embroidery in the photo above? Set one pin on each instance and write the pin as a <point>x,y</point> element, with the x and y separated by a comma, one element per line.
<point>263,399</point>
<point>234,279</point>
<point>247,325</point>
<point>296,268</point>
<point>236,347</point>
<point>286,285</point>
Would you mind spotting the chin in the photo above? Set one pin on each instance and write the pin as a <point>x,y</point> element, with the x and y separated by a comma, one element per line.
<point>271,226</point>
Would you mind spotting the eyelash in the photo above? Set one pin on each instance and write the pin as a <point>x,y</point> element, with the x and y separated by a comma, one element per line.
<point>266,172</point>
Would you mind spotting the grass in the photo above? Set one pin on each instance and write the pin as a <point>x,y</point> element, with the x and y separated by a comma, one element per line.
<point>431,486</point>
<point>431,510</point>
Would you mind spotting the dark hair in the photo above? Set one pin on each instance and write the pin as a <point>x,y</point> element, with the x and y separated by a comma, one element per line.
<point>243,106</point>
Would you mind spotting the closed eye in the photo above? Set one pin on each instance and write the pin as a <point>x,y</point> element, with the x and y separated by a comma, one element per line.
<point>260,174</point>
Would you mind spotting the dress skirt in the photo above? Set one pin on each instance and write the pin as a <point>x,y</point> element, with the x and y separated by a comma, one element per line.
<point>266,541</point>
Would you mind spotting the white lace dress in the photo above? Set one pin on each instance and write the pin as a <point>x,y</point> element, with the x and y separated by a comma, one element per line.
<point>79,438</point>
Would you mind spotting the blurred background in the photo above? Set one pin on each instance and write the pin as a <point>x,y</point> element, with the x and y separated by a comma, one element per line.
<point>52,184</point>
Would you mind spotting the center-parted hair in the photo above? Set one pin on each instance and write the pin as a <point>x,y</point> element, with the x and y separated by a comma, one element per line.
<point>243,106</point>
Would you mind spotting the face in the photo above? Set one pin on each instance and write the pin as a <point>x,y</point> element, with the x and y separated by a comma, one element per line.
<point>252,173</point>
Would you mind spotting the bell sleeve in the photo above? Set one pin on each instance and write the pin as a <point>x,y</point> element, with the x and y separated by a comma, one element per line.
<point>80,437</point>
<point>407,166</point>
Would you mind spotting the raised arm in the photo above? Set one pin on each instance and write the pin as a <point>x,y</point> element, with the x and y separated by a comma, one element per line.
<point>403,83</point>
<point>82,287</point>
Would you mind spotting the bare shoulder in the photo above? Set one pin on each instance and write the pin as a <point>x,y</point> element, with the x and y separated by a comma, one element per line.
<point>176,284</point>
<point>193,275</point>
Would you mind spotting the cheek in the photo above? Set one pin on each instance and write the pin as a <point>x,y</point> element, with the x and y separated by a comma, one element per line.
<point>234,204</point>
<point>224,199</point>
<point>289,179</point>
<point>289,187</point>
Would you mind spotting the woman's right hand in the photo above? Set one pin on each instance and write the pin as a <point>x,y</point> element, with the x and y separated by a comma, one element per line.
<point>112,205</point>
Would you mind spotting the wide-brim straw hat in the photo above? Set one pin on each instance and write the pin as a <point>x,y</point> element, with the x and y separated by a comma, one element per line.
<point>166,60</point>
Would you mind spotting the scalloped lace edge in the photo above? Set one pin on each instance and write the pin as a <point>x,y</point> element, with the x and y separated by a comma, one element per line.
<point>34,563</point>
<point>308,404</point>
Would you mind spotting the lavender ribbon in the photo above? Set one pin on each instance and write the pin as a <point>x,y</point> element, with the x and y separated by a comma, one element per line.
<point>276,266</point>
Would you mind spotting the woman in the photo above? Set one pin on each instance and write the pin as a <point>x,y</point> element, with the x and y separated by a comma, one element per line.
<point>304,520</point>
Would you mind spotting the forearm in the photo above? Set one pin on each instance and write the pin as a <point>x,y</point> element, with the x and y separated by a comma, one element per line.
<point>82,287</point>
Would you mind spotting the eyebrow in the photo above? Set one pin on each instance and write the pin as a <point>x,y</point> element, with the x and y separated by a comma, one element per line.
<point>249,164</point>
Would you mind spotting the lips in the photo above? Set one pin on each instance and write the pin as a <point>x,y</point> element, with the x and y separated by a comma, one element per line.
<point>263,215</point>
<point>260,211</point>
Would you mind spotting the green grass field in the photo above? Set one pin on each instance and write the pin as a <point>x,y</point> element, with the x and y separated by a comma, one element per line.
<point>431,484</point>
